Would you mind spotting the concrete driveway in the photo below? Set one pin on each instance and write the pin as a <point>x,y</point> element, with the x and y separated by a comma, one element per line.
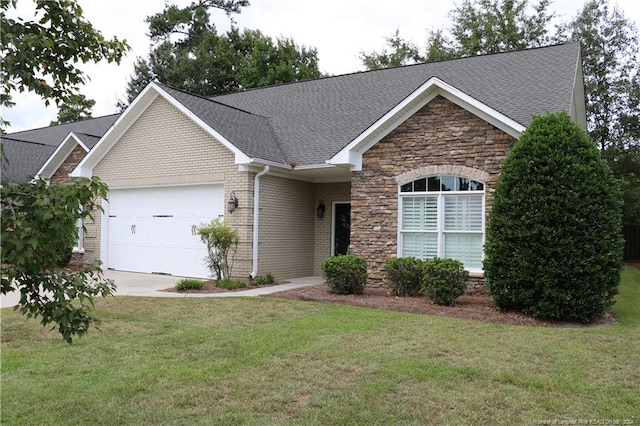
<point>150,285</point>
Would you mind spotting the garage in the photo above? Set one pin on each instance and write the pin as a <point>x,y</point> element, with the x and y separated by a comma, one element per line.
<point>152,230</point>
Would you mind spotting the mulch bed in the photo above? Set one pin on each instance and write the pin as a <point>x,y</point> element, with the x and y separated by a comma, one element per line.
<point>469,307</point>
<point>477,307</point>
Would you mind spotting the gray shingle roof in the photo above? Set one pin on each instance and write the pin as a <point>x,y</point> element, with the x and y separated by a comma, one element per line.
<point>250,133</point>
<point>308,122</point>
<point>313,120</point>
<point>27,151</point>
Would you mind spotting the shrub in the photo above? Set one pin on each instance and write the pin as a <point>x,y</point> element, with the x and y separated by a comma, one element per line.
<point>263,280</point>
<point>404,275</point>
<point>221,241</point>
<point>444,280</point>
<point>553,245</point>
<point>231,284</point>
<point>189,284</point>
<point>345,274</point>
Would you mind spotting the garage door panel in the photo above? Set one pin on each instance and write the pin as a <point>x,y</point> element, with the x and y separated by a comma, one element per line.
<point>151,229</point>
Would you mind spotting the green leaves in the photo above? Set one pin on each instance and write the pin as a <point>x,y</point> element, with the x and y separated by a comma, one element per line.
<point>345,274</point>
<point>40,55</point>
<point>221,241</point>
<point>39,230</point>
<point>190,54</point>
<point>553,246</point>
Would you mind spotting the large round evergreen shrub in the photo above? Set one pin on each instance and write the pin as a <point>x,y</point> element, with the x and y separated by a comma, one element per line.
<point>553,244</point>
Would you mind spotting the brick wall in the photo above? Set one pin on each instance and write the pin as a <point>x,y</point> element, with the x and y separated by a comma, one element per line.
<point>440,137</point>
<point>286,234</point>
<point>164,147</point>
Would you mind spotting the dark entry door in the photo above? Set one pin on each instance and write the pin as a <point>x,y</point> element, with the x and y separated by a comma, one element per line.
<point>342,228</point>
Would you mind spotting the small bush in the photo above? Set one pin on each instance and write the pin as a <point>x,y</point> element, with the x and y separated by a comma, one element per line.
<point>345,274</point>
<point>222,243</point>
<point>189,284</point>
<point>404,275</point>
<point>263,280</point>
<point>444,280</point>
<point>231,284</point>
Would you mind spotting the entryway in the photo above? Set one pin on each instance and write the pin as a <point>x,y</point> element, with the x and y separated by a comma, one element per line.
<point>341,228</point>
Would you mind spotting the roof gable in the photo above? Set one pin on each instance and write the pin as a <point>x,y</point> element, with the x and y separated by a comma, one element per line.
<point>58,157</point>
<point>314,120</point>
<point>29,150</point>
<point>138,107</point>
<point>352,153</point>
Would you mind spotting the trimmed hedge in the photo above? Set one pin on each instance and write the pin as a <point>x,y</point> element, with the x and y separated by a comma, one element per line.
<point>345,274</point>
<point>553,243</point>
<point>404,275</point>
<point>444,280</point>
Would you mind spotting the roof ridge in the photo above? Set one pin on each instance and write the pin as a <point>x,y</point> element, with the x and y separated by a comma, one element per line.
<point>63,124</point>
<point>391,68</point>
<point>25,141</point>
<point>209,99</point>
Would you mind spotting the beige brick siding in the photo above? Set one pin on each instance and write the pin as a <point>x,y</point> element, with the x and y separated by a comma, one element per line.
<point>287,225</point>
<point>441,136</point>
<point>328,193</point>
<point>164,147</point>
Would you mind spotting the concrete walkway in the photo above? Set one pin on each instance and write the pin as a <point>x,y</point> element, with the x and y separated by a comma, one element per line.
<point>150,285</point>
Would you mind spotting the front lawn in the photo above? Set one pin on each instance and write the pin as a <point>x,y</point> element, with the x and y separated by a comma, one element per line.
<point>268,361</point>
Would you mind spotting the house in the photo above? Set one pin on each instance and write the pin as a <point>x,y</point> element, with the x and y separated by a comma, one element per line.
<point>394,162</point>
<point>42,152</point>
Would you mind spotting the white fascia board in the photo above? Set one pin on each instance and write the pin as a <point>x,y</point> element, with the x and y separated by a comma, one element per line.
<point>131,114</point>
<point>59,156</point>
<point>352,153</point>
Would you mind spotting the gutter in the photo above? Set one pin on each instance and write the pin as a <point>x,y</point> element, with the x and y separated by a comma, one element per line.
<point>256,219</point>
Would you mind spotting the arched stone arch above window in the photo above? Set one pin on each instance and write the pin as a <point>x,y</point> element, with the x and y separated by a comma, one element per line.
<point>450,170</point>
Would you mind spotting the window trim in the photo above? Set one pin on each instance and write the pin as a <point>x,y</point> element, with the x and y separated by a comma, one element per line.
<point>440,196</point>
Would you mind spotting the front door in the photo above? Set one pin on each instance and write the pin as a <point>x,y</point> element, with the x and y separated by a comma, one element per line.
<point>341,228</point>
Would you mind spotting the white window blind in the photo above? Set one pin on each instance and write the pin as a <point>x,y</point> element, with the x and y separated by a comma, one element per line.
<point>443,219</point>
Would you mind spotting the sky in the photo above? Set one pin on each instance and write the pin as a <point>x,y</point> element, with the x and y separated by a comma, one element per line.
<point>338,29</point>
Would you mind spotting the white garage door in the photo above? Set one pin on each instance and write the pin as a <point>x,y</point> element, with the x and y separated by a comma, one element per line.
<point>151,230</point>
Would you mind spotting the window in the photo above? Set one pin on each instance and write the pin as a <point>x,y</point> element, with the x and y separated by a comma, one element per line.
<point>443,216</point>
<point>80,243</point>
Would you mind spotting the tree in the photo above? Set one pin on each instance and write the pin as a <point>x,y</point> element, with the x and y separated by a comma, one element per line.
<point>625,164</point>
<point>479,27</point>
<point>189,54</point>
<point>553,244</point>
<point>609,59</point>
<point>492,26</point>
<point>78,107</point>
<point>40,55</point>
<point>39,220</point>
<point>39,230</point>
<point>402,53</point>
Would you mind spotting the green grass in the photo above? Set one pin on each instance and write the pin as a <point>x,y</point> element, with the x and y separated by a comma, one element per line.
<point>264,361</point>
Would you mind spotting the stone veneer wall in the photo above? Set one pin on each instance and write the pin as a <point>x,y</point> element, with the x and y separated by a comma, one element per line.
<point>62,174</point>
<point>440,137</point>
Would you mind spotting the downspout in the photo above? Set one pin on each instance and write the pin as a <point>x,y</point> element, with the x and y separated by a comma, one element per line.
<point>256,219</point>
